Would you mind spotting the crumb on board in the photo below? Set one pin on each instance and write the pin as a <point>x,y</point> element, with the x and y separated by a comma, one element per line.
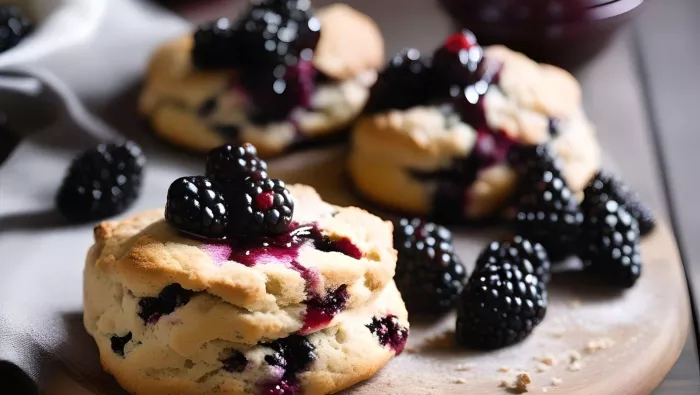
<point>519,385</point>
<point>548,359</point>
<point>463,367</point>
<point>574,303</point>
<point>541,368</point>
<point>504,369</point>
<point>459,380</point>
<point>556,381</point>
<point>557,334</point>
<point>596,345</point>
<point>574,356</point>
<point>545,389</point>
<point>575,366</point>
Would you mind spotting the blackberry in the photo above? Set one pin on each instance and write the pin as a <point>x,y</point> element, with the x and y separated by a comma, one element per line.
<point>505,297</point>
<point>14,27</point>
<point>606,186</point>
<point>119,342</point>
<point>197,207</point>
<point>170,298</point>
<point>262,207</point>
<point>389,332</point>
<point>459,60</point>
<point>294,354</point>
<point>429,274</point>
<point>234,361</point>
<point>404,83</point>
<point>548,212</point>
<point>101,182</point>
<point>230,165</point>
<point>611,243</point>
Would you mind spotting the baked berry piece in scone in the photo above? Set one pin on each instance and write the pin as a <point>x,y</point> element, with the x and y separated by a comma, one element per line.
<point>278,76</point>
<point>435,137</point>
<point>244,286</point>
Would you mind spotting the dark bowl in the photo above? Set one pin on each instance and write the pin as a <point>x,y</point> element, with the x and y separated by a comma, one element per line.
<point>564,32</point>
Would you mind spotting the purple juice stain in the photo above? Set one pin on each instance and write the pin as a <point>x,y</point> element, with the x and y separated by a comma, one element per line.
<point>282,387</point>
<point>321,311</point>
<point>284,248</point>
<point>389,332</point>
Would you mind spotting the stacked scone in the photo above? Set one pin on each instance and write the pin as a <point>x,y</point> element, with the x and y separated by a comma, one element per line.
<point>246,286</point>
<point>278,76</point>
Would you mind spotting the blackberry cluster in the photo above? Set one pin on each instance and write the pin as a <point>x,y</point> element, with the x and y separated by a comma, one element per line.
<point>195,206</point>
<point>236,197</point>
<point>548,211</point>
<point>611,247</point>
<point>429,274</point>
<point>272,45</point>
<point>401,84</point>
<point>170,298</point>
<point>14,27</point>
<point>506,296</point>
<point>101,182</point>
<point>606,186</point>
<point>456,73</point>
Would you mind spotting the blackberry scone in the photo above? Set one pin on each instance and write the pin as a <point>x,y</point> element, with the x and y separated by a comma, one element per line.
<point>277,77</point>
<point>438,134</point>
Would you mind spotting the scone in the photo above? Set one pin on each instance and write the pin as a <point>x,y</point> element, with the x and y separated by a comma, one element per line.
<point>277,77</point>
<point>244,286</point>
<point>438,134</point>
<point>332,260</point>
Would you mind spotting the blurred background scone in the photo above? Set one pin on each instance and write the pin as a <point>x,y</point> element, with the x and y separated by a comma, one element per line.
<point>276,77</point>
<point>438,134</point>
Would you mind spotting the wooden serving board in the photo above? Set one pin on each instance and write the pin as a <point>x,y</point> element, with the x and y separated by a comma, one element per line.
<point>602,342</point>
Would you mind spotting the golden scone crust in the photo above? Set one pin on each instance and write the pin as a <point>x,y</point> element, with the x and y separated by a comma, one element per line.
<point>388,146</point>
<point>350,52</point>
<point>345,353</point>
<point>140,256</point>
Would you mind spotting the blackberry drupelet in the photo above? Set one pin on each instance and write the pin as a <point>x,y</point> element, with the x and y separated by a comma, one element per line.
<point>548,211</point>
<point>218,45</point>
<point>429,274</point>
<point>14,27</point>
<point>262,207</point>
<point>229,165</point>
<point>404,83</point>
<point>605,185</point>
<point>611,249</point>
<point>170,298</point>
<point>293,353</point>
<point>196,206</point>
<point>506,296</point>
<point>101,182</point>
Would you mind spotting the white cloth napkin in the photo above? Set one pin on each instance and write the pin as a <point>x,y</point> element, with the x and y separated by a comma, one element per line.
<point>41,258</point>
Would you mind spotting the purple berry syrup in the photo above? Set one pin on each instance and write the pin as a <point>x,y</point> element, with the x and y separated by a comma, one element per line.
<point>389,332</point>
<point>284,249</point>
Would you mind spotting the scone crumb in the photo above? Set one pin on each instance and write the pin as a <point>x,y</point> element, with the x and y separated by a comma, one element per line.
<point>545,389</point>
<point>459,380</point>
<point>574,356</point>
<point>541,368</point>
<point>504,369</point>
<point>556,381</point>
<point>548,359</point>
<point>519,385</point>
<point>575,366</point>
<point>596,345</point>
<point>574,304</point>
<point>463,367</point>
